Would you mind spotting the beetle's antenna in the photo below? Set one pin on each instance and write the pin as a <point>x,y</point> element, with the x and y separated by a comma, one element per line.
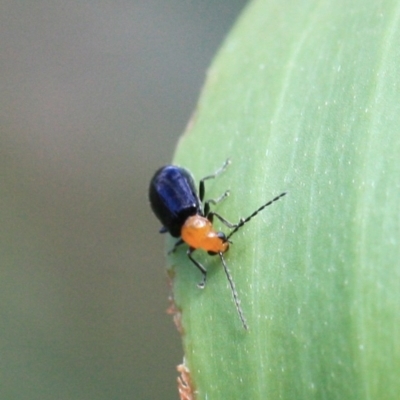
<point>245,220</point>
<point>234,292</point>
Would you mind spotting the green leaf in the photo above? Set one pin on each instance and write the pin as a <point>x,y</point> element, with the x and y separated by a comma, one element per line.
<point>304,97</point>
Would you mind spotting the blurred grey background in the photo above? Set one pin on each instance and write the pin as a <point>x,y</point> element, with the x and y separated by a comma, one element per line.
<point>93,98</point>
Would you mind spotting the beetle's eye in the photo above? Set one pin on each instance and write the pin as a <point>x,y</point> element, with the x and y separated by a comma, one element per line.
<point>222,236</point>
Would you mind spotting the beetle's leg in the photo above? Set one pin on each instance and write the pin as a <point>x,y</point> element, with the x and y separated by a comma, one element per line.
<point>177,244</point>
<point>202,284</point>
<point>213,214</point>
<point>214,175</point>
<point>214,202</point>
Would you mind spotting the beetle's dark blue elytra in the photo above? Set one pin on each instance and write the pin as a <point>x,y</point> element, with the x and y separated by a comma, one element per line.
<point>173,198</point>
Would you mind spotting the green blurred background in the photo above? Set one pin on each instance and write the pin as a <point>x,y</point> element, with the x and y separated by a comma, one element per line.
<point>94,96</point>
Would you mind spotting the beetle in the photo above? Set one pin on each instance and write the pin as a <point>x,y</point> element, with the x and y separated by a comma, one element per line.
<point>185,215</point>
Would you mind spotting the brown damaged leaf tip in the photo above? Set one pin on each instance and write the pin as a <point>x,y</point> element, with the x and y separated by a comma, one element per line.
<point>176,314</point>
<point>185,387</point>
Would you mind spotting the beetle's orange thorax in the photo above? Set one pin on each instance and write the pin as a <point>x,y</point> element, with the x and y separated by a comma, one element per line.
<point>198,233</point>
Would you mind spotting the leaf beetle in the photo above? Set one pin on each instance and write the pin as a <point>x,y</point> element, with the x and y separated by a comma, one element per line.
<point>185,215</point>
